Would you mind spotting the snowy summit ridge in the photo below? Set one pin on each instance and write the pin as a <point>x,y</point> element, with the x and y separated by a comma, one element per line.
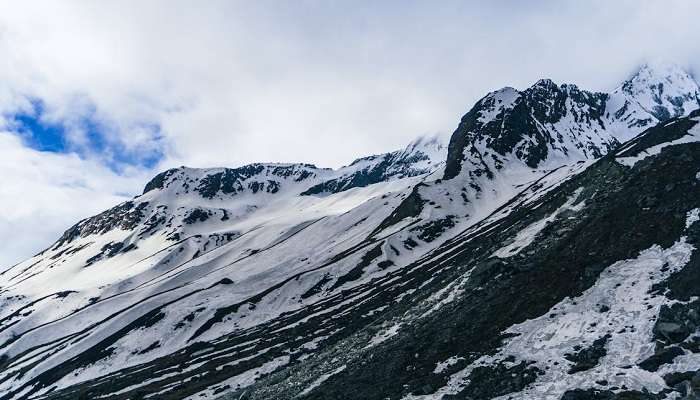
<point>548,125</point>
<point>658,92</point>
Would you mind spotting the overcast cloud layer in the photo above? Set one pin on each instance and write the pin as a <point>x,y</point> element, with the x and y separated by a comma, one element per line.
<point>212,83</point>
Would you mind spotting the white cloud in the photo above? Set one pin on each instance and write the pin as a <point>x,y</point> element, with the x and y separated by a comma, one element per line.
<point>42,194</point>
<point>308,81</point>
<point>234,82</point>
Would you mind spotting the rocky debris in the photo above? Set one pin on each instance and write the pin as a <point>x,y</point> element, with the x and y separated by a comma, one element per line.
<point>662,356</point>
<point>434,229</point>
<point>595,394</point>
<point>497,380</point>
<point>588,357</point>
<point>677,322</point>
<point>685,383</point>
<point>125,216</point>
<point>196,215</point>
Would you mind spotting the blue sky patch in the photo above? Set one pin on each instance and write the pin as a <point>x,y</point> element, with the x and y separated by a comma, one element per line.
<point>42,134</point>
<point>37,134</point>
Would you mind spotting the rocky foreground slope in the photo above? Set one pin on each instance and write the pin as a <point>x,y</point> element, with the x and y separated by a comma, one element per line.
<point>549,251</point>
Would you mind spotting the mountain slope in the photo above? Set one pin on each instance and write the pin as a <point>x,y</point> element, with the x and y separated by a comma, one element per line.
<point>124,287</point>
<point>581,293</point>
<point>389,277</point>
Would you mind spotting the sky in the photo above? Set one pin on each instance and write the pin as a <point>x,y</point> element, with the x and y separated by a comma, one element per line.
<point>97,97</point>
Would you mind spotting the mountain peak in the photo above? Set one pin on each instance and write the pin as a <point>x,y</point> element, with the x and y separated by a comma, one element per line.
<point>657,92</point>
<point>662,70</point>
<point>663,77</point>
<point>544,83</point>
<point>212,182</point>
<point>426,143</point>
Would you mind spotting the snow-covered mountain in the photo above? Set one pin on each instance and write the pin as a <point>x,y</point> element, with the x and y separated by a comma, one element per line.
<point>656,93</point>
<point>548,125</point>
<point>542,254</point>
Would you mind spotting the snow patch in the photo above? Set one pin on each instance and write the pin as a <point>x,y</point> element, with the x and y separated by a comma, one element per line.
<point>320,380</point>
<point>502,99</point>
<point>245,379</point>
<point>525,237</point>
<point>693,217</point>
<point>384,335</point>
<point>618,304</point>
<point>692,136</point>
<point>443,365</point>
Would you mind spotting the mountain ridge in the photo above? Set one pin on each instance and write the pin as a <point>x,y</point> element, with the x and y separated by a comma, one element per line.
<point>571,120</point>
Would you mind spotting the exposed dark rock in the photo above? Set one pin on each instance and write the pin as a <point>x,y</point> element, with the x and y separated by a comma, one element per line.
<point>587,358</point>
<point>594,394</point>
<point>433,229</point>
<point>158,182</point>
<point>662,356</point>
<point>498,380</point>
<point>196,215</point>
<point>627,210</point>
<point>317,287</point>
<point>411,206</point>
<point>124,216</point>
<point>357,271</point>
<point>661,133</point>
<point>518,129</point>
<point>379,168</point>
<point>676,322</point>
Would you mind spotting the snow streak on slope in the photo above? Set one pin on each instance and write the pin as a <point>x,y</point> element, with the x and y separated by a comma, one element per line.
<point>166,297</point>
<point>625,291</point>
<point>692,135</point>
<point>179,281</point>
<point>527,235</point>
